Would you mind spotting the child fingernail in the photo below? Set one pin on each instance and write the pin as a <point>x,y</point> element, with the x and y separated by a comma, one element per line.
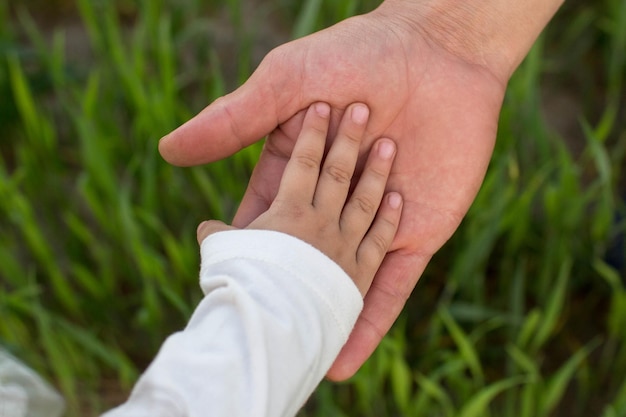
<point>201,227</point>
<point>322,109</point>
<point>386,149</point>
<point>395,200</point>
<point>360,113</point>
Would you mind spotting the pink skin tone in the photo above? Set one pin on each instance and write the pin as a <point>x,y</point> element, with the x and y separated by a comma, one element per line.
<point>353,225</point>
<point>433,74</point>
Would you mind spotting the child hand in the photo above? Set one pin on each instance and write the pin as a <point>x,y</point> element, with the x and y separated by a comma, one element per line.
<point>314,203</point>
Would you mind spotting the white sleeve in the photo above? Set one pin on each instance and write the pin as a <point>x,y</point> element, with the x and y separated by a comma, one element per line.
<point>276,313</point>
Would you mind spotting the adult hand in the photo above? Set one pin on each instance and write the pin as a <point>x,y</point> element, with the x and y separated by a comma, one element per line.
<point>314,202</point>
<point>433,75</point>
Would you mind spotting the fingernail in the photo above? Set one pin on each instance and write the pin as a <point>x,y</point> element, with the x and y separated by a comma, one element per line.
<point>322,109</point>
<point>386,149</point>
<point>360,113</point>
<point>201,227</point>
<point>394,200</point>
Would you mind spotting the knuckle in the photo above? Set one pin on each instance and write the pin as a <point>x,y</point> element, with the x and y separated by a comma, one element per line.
<point>390,225</point>
<point>379,173</point>
<point>319,128</point>
<point>380,244</point>
<point>366,205</point>
<point>307,160</point>
<point>354,137</point>
<point>339,174</point>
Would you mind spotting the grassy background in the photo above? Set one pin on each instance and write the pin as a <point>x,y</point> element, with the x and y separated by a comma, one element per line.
<point>522,314</point>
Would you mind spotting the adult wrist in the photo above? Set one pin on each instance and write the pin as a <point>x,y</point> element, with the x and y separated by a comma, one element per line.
<point>494,34</point>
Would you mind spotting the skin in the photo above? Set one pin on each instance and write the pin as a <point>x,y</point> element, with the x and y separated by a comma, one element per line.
<point>315,203</point>
<point>433,74</point>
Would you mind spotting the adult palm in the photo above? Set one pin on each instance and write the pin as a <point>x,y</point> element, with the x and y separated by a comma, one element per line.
<point>439,108</point>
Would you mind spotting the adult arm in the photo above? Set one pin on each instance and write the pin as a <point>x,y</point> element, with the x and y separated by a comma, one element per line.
<point>433,73</point>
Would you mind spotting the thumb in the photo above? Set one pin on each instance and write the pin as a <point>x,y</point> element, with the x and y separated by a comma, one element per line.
<point>207,228</point>
<point>227,125</point>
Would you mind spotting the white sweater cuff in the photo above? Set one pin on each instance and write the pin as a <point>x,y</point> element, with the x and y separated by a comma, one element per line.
<point>302,261</point>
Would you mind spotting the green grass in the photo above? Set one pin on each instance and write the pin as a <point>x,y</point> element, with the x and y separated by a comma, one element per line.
<point>520,315</point>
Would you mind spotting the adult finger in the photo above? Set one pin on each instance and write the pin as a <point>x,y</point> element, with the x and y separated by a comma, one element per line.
<point>392,286</point>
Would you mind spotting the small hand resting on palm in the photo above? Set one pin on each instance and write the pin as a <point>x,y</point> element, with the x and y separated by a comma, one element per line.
<point>282,295</point>
<point>353,224</point>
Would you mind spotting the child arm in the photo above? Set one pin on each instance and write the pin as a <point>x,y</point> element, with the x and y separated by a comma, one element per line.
<point>282,296</point>
<point>275,313</point>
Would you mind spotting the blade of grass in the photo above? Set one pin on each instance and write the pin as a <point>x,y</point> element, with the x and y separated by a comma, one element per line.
<point>306,21</point>
<point>464,344</point>
<point>479,404</point>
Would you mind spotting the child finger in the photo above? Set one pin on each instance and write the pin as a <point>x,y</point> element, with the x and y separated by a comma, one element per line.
<point>207,228</point>
<point>334,182</point>
<point>302,171</point>
<point>378,239</point>
<point>360,210</point>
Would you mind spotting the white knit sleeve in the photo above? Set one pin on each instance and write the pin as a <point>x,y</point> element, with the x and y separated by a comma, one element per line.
<point>276,313</point>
